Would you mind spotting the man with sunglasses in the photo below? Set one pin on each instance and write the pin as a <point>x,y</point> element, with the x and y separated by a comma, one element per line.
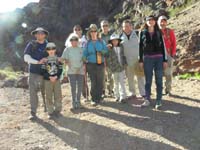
<point>34,55</point>
<point>105,35</point>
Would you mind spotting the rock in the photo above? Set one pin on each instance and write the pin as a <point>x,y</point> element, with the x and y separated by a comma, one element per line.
<point>9,83</point>
<point>22,82</point>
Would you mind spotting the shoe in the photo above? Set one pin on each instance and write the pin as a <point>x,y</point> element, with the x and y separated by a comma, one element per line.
<point>145,103</point>
<point>117,99</point>
<point>168,93</point>
<point>80,107</point>
<point>123,101</point>
<point>33,116</point>
<point>132,97</point>
<point>94,103</point>
<point>51,116</point>
<point>158,105</point>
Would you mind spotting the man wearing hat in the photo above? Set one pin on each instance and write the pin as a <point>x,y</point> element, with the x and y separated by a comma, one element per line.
<point>34,54</point>
<point>170,44</point>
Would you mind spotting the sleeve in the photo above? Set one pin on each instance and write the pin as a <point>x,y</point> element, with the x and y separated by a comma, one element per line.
<point>65,54</point>
<point>173,43</point>
<point>141,52</point>
<point>164,51</point>
<point>105,49</point>
<point>27,55</point>
<point>85,52</point>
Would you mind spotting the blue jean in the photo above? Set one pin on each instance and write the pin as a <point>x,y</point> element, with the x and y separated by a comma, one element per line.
<point>76,83</point>
<point>153,64</point>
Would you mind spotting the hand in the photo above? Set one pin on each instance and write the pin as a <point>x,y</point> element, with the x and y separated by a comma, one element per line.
<point>141,64</point>
<point>60,60</point>
<point>43,60</point>
<point>165,65</point>
<point>109,46</point>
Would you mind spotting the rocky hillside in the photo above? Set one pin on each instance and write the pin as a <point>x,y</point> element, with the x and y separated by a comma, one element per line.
<point>59,16</point>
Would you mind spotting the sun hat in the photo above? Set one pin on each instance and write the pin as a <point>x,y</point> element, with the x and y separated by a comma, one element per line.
<point>114,37</point>
<point>51,45</point>
<point>74,38</point>
<point>39,29</point>
<point>92,27</point>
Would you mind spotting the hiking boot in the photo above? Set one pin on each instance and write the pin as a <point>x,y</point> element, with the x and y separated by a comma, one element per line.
<point>117,99</point>
<point>168,93</point>
<point>146,103</point>
<point>51,116</point>
<point>123,101</point>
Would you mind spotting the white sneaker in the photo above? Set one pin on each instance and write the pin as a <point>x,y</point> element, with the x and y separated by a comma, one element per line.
<point>145,103</point>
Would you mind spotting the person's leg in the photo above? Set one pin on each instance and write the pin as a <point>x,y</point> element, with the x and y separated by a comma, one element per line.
<point>42,89</point>
<point>141,85</point>
<point>92,74</point>
<point>159,78</point>
<point>99,82</point>
<point>57,97</point>
<point>72,80</point>
<point>85,90</point>
<point>168,72</point>
<point>33,91</point>
<point>110,82</point>
<point>80,86</point>
<point>131,81</point>
<point>148,71</point>
<point>122,85</point>
<point>116,86</point>
<point>49,96</point>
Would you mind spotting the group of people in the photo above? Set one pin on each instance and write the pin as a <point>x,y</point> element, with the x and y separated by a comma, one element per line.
<point>106,59</point>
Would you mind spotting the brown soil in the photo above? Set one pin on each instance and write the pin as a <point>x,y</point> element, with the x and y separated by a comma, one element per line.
<point>110,126</point>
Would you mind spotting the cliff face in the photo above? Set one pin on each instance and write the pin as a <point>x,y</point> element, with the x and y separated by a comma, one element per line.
<point>57,16</point>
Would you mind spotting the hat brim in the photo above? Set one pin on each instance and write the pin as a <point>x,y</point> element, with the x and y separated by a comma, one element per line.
<point>115,39</point>
<point>36,31</point>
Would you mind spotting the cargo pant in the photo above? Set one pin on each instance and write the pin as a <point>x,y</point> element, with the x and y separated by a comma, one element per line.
<point>168,73</point>
<point>36,84</point>
<point>53,96</point>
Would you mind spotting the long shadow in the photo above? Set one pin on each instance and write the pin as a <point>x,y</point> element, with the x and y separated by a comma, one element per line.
<point>173,123</point>
<point>185,97</point>
<point>86,135</point>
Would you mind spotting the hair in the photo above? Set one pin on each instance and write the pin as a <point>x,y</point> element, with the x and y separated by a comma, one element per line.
<point>145,26</point>
<point>89,36</point>
<point>119,42</point>
<point>127,21</point>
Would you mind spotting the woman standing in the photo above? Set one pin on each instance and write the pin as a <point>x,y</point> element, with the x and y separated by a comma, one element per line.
<point>93,55</point>
<point>152,56</point>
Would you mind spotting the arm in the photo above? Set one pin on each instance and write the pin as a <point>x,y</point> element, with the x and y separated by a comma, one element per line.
<point>173,43</point>
<point>141,52</point>
<point>28,59</point>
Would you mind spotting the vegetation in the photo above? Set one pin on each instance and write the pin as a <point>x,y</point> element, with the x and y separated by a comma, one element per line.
<point>190,76</point>
<point>9,74</point>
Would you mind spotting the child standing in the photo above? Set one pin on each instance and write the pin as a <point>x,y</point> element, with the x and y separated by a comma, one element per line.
<point>116,63</point>
<point>52,70</point>
<point>73,57</point>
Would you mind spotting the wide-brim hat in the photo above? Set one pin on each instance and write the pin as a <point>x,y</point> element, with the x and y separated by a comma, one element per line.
<point>51,45</point>
<point>115,37</point>
<point>74,37</point>
<point>93,27</point>
<point>39,29</point>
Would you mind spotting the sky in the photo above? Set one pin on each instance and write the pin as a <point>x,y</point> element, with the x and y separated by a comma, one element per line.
<point>10,5</point>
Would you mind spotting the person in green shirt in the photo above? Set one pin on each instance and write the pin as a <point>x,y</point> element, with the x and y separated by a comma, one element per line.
<point>73,58</point>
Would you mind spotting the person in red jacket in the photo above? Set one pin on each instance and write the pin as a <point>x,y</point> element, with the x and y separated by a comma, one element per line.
<point>170,44</point>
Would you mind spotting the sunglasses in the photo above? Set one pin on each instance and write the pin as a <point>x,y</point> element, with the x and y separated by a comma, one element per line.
<point>93,31</point>
<point>50,48</point>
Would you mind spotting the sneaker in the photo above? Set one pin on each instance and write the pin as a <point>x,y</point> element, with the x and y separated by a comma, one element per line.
<point>117,99</point>
<point>51,116</point>
<point>93,103</point>
<point>33,116</point>
<point>145,103</point>
<point>158,105</point>
<point>123,101</point>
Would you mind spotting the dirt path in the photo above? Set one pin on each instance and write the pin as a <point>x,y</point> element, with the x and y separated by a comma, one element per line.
<point>111,126</point>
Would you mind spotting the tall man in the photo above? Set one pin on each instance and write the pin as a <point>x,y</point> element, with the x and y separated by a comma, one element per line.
<point>108,82</point>
<point>130,42</point>
<point>34,54</point>
<point>170,44</point>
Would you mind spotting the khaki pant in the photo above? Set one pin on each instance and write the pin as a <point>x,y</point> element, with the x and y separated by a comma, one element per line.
<point>53,91</point>
<point>36,84</point>
<point>131,74</point>
<point>168,73</point>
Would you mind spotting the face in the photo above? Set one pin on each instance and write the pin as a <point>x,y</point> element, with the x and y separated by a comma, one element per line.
<point>127,27</point>
<point>40,36</point>
<point>93,34</point>
<point>51,51</point>
<point>151,23</point>
<point>78,31</point>
<point>74,43</point>
<point>105,28</point>
<point>163,24</point>
<point>115,42</point>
